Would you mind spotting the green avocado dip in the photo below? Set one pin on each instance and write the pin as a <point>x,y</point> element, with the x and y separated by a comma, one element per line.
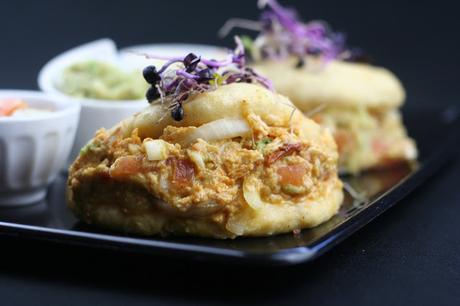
<point>100,80</point>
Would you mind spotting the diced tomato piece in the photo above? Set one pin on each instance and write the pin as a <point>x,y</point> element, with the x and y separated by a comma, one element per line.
<point>183,171</point>
<point>284,150</point>
<point>318,118</point>
<point>126,166</point>
<point>343,139</point>
<point>9,106</point>
<point>379,146</point>
<point>292,174</point>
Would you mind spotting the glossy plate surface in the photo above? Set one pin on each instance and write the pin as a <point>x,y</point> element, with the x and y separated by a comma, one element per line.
<point>436,133</point>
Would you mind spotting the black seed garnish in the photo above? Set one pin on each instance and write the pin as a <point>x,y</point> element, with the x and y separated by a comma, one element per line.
<point>205,75</point>
<point>300,63</point>
<point>151,75</point>
<point>152,94</point>
<point>314,51</point>
<point>191,62</point>
<point>178,113</point>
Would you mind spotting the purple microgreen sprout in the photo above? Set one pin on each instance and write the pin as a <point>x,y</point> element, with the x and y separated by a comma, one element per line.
<point>282,34</point>
<point>181,77</point>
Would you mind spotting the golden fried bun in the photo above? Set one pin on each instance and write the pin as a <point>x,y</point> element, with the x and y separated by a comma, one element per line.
<point>336,83</point>
<point>367,139</point>
<point>242,162</point>
<point>358,103</point>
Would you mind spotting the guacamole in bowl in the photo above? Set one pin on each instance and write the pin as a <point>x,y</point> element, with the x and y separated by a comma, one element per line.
<point>95,79</point>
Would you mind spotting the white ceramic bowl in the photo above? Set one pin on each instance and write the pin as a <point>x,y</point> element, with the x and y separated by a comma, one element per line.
<point>95,114</point>
<point>102,113</point>
<point>34,149</point>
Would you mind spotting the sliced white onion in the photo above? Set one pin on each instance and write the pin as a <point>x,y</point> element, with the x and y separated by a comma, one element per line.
<point>251,195</point>
<point>196,158</point>
<point>217,130</point>
<point>156,149</point>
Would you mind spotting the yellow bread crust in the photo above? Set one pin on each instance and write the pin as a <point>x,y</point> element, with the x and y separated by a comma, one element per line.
<point>336,83</point>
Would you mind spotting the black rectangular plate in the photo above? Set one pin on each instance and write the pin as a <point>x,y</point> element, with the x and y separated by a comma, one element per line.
<point>436,133</point>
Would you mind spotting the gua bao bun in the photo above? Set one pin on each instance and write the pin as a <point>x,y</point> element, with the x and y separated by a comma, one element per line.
<point>359,104</point>
<point>337,83</point>
<point>241,162</point>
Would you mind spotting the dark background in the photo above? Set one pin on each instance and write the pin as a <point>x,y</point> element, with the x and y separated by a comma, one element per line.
<point>418,40</point>
<point>409,255</point>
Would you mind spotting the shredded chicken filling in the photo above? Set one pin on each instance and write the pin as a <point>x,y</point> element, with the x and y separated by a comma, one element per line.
<point>367,138</point>
<point>205,177</point>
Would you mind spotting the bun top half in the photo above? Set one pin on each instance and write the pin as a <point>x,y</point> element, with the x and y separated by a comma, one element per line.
<point>228,101</point>
<point>337,83</point>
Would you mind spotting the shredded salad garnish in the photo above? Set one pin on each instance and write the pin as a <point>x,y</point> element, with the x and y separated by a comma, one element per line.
<point>281,34</point>
<point>181,77</point>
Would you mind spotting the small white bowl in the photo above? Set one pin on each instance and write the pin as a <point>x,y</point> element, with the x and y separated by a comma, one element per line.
<point>95,114</point>
<point>34,149</point>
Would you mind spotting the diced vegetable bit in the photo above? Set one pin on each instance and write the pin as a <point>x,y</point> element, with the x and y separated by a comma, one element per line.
<point>126,166</point>
<point>318,118</point>
<point>261,144</point>
<point>293,190</point>
<point>9,106</point>
<point>248,43</point>
<point>133,148</point>
<point>87,148</point>
<point>183,171</point>
<point>217,79</point>
<point>156,149</point>
<point>292,174</point>
<point>284,150</point>
<point>379,146</point>
<point>343,139</point>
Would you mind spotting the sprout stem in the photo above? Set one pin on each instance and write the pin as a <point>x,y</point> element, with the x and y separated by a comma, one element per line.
<point>239,23</point>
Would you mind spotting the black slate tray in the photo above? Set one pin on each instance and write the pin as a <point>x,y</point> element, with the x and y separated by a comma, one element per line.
<point>436,133</point>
